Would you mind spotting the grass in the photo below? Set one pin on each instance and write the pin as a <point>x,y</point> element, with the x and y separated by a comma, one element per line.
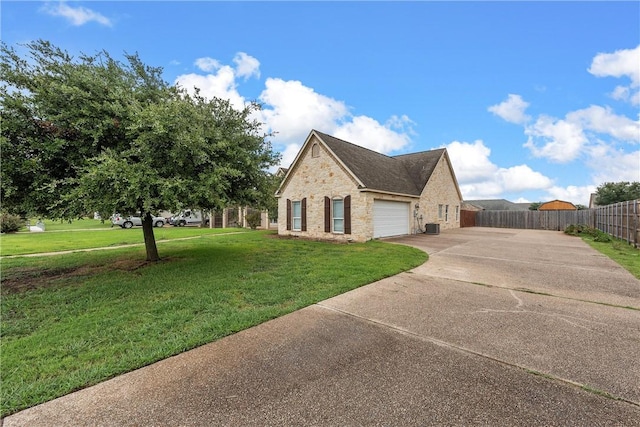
<point>71,321</point>
<point>78,224</point>
<point>56,240</point>
<point>619,251</point>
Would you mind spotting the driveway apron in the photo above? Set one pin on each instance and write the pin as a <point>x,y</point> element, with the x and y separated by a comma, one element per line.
<point>499,327</point>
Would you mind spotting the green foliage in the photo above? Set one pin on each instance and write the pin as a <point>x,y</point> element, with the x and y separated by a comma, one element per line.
<point>615,192</point>
<point>96,134</point>
<point>25,243</point>
<point>10,223</point>
<point>534,206</point>
<point>74,320</point>
<point>619,251</point>
<point>253,219</point>
<point>593,233</point>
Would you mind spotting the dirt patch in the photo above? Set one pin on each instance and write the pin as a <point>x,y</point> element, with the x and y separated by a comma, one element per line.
<point>306,239</point>
<point>29,278</point>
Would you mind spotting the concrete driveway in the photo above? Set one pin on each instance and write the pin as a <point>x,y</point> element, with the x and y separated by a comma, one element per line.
<point>499,327</point>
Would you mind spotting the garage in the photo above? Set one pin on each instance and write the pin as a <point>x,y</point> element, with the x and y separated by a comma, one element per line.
<point>390,218</point>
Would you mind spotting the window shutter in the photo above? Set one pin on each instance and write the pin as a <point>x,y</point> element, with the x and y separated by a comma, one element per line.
<point>347,215</point>
<point>304,214</point>
<point>288,214</point>
<point>327,215</point>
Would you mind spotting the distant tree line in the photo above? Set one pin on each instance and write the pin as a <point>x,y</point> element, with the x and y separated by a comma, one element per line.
<point>615,192</point>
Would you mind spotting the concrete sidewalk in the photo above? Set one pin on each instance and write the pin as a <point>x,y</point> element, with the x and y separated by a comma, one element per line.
<point>499,327</point>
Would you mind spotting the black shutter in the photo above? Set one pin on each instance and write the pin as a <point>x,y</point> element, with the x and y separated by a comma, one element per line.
<point>288,214</point>
<point>327,215</point>
<point>304,214</point>
<point>347,215</point>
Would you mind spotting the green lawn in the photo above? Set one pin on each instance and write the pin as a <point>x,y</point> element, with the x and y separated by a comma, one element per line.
<point>76,224</point>
<point>619,251</point>
<point>70,239</point>
<point>70,321</point>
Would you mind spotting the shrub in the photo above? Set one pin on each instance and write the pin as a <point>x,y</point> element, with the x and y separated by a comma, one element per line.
<point>575,229</point>
<point>10,223</point>
<point>601,237</point>
<point>597,235</point>
<point>253,219</point>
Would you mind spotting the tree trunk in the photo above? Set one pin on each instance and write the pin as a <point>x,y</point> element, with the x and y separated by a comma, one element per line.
<point>149,238</point>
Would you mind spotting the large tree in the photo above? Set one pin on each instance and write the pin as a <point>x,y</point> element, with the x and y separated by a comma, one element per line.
<point>96,134</point>
<point>614,192</point>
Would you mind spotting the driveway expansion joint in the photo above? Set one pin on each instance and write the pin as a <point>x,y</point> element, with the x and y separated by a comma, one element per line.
<point>466,350</point>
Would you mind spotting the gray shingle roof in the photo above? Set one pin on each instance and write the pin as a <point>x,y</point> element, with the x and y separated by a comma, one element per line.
<point>404,174</point>
<point>498,205</point>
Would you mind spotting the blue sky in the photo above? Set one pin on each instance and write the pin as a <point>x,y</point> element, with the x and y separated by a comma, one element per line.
<point>533,100</point>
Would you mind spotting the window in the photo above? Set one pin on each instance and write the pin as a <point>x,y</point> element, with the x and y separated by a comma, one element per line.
<point>457,213</point>
<point>297,215</point>
<point>315,150</point>
<point>446,213</point>
<point>440,211</point>
<point>338,216</point>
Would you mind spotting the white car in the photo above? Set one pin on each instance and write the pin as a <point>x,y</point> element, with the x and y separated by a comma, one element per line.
<point>130,221</point>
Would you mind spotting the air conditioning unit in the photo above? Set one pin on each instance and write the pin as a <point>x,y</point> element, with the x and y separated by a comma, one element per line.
<point>433,229</point>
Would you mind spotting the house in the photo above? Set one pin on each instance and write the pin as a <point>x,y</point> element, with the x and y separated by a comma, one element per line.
<point>336,190</point>
<point>557,205</point>
<point>495,205</point>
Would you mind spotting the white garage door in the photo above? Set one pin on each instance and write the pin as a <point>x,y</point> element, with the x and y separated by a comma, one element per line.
<point>390,218</point>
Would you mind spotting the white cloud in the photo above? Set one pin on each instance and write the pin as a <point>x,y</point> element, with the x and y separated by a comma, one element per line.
<point>479,178</point>
<point>76,15</point>
<point>522,178</point>
<point>562,140</point>
<point>610,165</point>
<point>371,134</point>
<point>621,63</point>
<point>207,64</point>
<point>292,110</point>
<point>222,84</point>
<point>289,154</point>
<point>572,193</point>
<point>603,121</point>
<point>471,161</point>
<point>512,109</point>
<point>246,65</point>
<point>582,131</point>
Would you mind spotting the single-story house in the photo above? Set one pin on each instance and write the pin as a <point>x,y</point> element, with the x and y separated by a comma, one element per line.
<point>336,190</point>
<point>557,205</point>
<point>494,205</point>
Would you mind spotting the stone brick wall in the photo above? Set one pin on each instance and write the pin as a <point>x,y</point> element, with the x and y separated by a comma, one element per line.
<point>440,190</point>
<point>315,178</point>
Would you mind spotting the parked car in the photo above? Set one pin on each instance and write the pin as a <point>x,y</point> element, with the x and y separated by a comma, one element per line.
<point>131,221</point>
<point>188,217</point>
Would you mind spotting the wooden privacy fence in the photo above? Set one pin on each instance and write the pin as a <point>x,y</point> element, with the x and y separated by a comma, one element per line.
<point>536,220</point>
<point>621,220</point>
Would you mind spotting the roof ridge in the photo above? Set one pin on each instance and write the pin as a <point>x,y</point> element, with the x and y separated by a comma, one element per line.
<point>355,145</point>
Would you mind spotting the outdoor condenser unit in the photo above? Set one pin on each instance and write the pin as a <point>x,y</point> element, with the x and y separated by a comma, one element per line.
<point>433,229</point>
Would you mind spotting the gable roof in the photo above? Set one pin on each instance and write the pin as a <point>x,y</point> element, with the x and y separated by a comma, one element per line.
<point>499,205</point>
<point>557,205</point>
<point>404,174</point>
